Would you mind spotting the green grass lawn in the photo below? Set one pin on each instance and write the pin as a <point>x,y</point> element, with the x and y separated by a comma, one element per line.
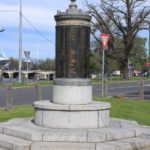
<point>116,79</point>
<point>138,110</point>
<point>17,112</point>
<point>17,84</point>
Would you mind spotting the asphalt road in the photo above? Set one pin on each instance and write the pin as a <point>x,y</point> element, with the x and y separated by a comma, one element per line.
<point>27,95</point>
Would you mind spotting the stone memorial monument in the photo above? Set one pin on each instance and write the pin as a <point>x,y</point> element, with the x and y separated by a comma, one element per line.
<point>72,90</point>
<point>71,120</point>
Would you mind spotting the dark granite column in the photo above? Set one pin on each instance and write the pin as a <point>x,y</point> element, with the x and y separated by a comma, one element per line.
<point>72,43</point>
<point>72,55</point>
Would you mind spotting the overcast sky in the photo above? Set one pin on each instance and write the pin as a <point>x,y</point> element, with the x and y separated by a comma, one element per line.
<point>41,14</point>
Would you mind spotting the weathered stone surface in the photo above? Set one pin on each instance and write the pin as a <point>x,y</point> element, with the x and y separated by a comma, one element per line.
<point>124,123</point>
<point>65,136</point>
<point>46,104</point>
<point>16,131</point>
<point>120,134</point>
<point>3,149</point>
<point>96,137</point>
<point>145,130</point>
<point>1,129</point>
<point>131,144</point>
<point>25,132</point>
<point>103,118</point>
<point>34,136</point>
<point>13,143</point>
<point>38,117</point>
<point>109,134</point>
<point>15,121</point>
<point>114,124</point>
<point>121,146</point>
<point>72,94</point>
<point>102,138</point>
<point>70,120</point>
<point>93,106</point>
<point>92,115</point>
<point>102,146</point>
<point>6,145</point>
<point>62,146</point>
<point>137,143</point>
<point>72,82</point>
<point>31,132</point>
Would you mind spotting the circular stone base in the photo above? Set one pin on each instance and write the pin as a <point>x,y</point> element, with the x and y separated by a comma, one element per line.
<point>52,115</point>
<point>72,91</point>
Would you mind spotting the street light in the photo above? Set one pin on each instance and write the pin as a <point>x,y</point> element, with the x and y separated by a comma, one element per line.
<point>149,41</point>
<point>27,55</point>
<point>20,42</point>
<point>1,77</point>
<point>148,22</point>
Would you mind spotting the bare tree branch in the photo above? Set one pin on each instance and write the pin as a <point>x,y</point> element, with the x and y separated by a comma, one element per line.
<point>123,20</point>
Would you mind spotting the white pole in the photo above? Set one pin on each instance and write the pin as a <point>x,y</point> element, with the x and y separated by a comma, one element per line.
<point>20,43</point>
<point>37,57</point>
<point>27,70</point>
<point>103,70</point>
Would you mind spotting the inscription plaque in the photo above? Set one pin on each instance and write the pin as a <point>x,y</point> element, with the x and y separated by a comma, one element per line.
<point>72,51</point>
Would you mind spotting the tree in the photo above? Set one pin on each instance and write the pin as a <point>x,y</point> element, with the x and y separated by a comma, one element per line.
<point>48,64</point>
<point>123,20</point>
<point>96,60</point>
<point>13,64</point>
<point>137,57</point>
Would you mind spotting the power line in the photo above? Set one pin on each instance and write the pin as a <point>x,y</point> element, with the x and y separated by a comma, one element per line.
<point>31,25</point>
<point>37,30</point>
<point>9,10</point>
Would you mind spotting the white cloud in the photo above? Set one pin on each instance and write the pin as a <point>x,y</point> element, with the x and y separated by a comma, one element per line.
<point>40,19</point>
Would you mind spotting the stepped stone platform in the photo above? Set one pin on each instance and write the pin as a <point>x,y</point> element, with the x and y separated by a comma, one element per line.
<point>23,134</point>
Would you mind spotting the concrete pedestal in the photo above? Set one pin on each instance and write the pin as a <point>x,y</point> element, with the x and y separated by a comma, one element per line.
<point>94,115</point>
<point>72,91</point>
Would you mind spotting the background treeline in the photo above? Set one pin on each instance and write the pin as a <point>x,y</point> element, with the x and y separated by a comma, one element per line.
<point>47,64</point>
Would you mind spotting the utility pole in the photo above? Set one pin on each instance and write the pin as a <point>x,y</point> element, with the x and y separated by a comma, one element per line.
<point>1,76</point>
<point>20,42</point>
<point>149,41</point>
